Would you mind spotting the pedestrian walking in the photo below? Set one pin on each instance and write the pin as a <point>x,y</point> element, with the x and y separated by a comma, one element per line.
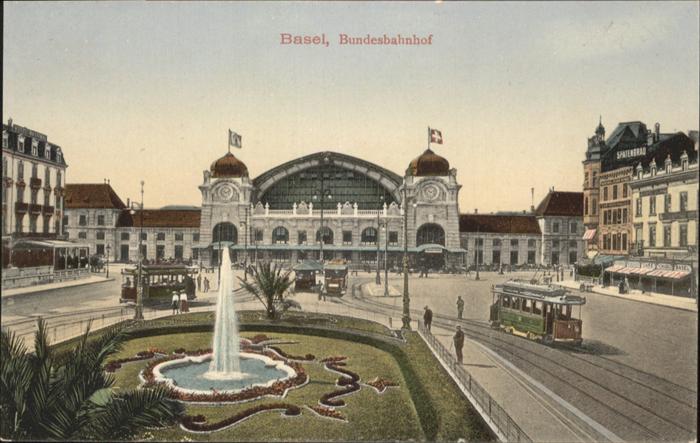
<point>460,307</point>
<point>459,343</point>
<point>321,291</point>
<point>428,317</point>
<point>175,302</point>
<point>184,306</point>
<point>199,282</point>
<point>206,284</point>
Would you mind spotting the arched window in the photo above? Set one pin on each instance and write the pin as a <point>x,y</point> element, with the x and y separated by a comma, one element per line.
<point>280,235</point>
<point>369,236</point>
<point>585,206</point>
<point>430,233</point>
<point>225,232</point>
<point>327,235</point>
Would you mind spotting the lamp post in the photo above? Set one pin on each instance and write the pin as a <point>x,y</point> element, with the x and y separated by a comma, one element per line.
<point>477,252</point>
<point>219,256</point>
<point>385,229</point>
<point>109,248</point>
<point>138,314</point>
<point>321,197</point>
<point>245,231</point>
<point>378,279</point>
<point>406,319</point>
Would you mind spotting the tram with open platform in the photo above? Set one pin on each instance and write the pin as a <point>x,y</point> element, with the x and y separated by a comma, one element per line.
<point>538,312</point>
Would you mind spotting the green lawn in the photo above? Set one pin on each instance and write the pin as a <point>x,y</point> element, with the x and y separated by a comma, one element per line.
<point>427,404</point>
<point>371,416</point>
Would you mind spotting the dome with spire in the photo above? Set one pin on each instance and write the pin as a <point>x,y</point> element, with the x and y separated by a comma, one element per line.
<point>428,164</point>
<point>228,166</point>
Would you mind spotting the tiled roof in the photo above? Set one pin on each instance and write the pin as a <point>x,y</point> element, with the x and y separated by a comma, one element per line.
<point>567,204</point>
<point>161,218</point>
<point>89,195</point>
<point>499,224</point>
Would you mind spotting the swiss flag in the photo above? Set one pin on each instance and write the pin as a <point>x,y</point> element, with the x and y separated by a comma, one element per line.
<point>435,136</point>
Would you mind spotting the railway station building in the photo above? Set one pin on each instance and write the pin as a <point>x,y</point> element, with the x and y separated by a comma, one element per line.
<point>325,205</point>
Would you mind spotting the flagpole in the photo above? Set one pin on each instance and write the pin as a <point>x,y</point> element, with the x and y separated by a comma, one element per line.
<point>229,141</point>
<point>428,137</point>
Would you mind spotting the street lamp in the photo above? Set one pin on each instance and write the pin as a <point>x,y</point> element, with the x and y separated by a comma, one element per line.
<point>138,314</point>
<point>476,248</point>
<point>325,193</point>
<point>320,198</point>
<point>109,248</point>
<point>244,225</point>
<point>406,319</point>
<point>378,279</point>
<point>385,230</point>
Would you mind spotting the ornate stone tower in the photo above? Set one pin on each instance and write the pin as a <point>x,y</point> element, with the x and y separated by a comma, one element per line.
<point>591,185</point>
<point>226,193</point>
<point>432,192</point>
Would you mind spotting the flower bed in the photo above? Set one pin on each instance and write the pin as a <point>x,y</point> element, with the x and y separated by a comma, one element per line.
<point>349,381</point>
<point>307,357</point>
<point>334,359</point>
<point>327,412</point>
<point>192,423</point>
<point>113,365</point>
<point>380,384</point>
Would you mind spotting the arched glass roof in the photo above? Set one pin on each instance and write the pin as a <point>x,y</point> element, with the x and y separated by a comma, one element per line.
<point>339,184</point>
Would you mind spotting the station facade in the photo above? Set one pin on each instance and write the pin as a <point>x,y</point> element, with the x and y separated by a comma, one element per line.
<point>329,205</point>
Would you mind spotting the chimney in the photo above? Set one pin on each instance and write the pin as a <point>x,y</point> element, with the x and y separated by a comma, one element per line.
<point>9,122</point>
<point>657,130</point>
<point>650,137</point>
<point>128,202</point>
<point>476,210</point>
<point>532,199</point>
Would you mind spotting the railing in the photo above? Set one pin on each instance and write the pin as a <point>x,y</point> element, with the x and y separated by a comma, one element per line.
<point>63,327</point>
<point>495,416</point>
<point>25,277</point>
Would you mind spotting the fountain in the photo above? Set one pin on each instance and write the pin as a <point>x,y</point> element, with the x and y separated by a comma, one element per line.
<point>225,361</point>
<point>226,369</point>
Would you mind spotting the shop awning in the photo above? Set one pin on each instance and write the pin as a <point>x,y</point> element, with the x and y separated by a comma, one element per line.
<point>664,273</point>
<point>589,234</point>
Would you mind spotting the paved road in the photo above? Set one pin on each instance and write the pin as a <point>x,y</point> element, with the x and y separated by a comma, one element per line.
<point>626,377</point>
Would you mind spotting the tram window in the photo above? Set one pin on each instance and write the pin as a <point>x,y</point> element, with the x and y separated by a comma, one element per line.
<point>536,307</point>
<point>526,305</point>
<point>516,303</point>
<point>566,312</point>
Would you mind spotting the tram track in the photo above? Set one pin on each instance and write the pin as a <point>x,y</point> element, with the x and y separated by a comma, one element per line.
<point>635,402</point>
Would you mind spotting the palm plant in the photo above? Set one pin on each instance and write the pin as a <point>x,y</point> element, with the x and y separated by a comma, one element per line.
<point>46,396</point>
<point>269,284</point>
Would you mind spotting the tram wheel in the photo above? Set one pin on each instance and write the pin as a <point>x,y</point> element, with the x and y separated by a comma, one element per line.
<point>578,342</point>
<point>548,340</point>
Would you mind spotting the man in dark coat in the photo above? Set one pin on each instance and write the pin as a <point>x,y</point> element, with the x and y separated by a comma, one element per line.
<point>460,307</point>
<point>459,343</point>
<point>427,317</point>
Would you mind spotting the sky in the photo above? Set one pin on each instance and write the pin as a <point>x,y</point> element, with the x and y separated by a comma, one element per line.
<point>137,91</point>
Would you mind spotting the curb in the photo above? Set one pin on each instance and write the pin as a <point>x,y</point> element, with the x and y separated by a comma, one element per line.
<point>38,289</point>
<point>649,302</point>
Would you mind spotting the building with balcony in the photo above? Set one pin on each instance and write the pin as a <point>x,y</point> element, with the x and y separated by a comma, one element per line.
<point>33,172</point>
<point>666,208</point>
<point>608,170</point>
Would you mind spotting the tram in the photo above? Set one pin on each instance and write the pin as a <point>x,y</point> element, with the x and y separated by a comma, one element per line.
<point>159,282</point>
<point>538,312</point>
<point>336,277</point>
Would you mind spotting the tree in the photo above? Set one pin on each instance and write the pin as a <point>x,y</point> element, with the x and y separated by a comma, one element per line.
<point>47,396</point>
<point>269,284</point>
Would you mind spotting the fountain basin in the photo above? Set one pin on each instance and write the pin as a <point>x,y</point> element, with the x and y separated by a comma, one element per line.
<point>191,374</point>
